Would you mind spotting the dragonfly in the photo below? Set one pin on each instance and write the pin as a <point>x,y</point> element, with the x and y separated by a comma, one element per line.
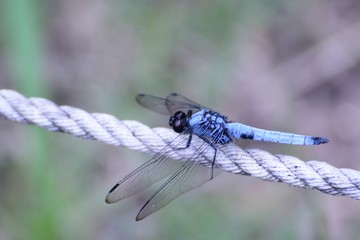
<point>188,118</point>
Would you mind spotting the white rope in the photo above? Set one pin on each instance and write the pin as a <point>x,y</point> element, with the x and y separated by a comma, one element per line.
<point>136,136</point>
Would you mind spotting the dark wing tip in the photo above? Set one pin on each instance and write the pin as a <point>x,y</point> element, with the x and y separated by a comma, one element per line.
<point>140,95</point>
<point>108,198</point>
<point>173,94</point>
<point>113,188</point>
<point>320,140</point>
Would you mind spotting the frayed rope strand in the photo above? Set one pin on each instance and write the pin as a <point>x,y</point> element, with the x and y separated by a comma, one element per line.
<point>136,136</point>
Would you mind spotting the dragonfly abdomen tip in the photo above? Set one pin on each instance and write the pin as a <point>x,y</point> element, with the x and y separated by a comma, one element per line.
<point>319,140</point>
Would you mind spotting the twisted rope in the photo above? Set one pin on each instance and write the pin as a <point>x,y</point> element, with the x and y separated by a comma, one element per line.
<point>136,136</point>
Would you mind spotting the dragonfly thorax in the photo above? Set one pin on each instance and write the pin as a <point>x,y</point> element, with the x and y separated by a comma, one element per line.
<point>210,125</point>
<point>178,122</point>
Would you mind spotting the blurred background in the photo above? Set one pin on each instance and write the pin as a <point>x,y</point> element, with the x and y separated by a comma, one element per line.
<point>282,65</point>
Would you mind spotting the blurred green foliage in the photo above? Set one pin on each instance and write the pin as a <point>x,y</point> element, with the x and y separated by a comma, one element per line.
<point>34,216</point>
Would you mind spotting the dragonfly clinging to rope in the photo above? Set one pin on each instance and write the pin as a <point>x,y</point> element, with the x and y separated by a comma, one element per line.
<point>189,118</point>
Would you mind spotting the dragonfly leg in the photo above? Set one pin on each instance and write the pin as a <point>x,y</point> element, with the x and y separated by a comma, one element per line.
<point>187,143</point>
<point>214,158</point>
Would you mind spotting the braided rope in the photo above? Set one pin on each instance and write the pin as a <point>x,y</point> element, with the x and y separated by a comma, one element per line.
<point>136,136</point>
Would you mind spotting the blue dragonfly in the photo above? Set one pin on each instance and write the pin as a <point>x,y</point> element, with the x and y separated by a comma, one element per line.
<point>189,118</point>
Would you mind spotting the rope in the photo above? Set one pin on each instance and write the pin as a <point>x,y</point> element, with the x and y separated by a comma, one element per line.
<point>136,136</point>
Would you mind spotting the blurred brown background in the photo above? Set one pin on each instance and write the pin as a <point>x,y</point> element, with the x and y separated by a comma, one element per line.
<point>281,65</point>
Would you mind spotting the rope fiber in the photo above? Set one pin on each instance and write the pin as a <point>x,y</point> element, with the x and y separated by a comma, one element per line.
<point>137,136</point>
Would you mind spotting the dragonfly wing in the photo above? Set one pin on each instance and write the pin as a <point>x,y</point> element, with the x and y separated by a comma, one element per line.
<point>170,105</point>
<point>144,176</point>
<point>154,170</point>
<point>177,102</point>
<point>156,104</point>
<point>188,177</point>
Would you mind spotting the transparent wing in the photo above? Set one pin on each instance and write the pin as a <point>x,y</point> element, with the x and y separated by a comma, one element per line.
<point>188,177</point>
<point>171,104</point>
<point>156,104</point>
<point>154,170</point>
<point>141,178</point>
<point>177,102</point>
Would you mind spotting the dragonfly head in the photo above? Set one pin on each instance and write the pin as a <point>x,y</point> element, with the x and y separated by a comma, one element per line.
<point>178,122</point>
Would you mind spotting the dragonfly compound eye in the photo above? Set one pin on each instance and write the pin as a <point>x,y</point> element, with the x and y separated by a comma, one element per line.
<point>179,115</point>
<point>178,121</point>
<point>178,126</point>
